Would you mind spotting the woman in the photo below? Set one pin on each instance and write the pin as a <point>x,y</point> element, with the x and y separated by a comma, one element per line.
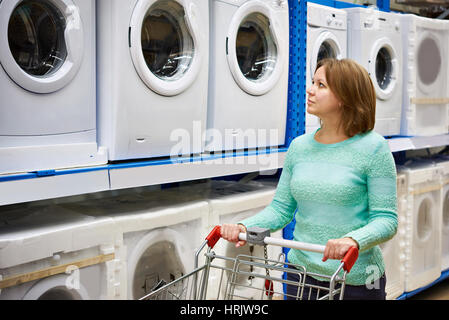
<point>342,181</point>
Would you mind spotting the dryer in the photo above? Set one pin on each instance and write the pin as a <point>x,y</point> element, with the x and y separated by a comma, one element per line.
<point>47,81</point>
<point>326,38</point>
<point>426,93</point>
<point>152,77</point>
<point>375,42</point>
<point>248,84</point>
<point>423,224</point>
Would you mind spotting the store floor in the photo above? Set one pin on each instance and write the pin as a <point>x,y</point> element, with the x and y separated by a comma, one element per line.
<point>439,291</point>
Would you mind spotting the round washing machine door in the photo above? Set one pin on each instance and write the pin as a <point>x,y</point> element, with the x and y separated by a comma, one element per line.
<point>41,43</point>
<point>384,68</point>
<point>424,220</point>
<point>445,220</point>
<point>167,44</point>
<point>255,48</point>
<point>160,257</point>
<point>428,61</point>
<point>326,46</point>
<point>59,287</point>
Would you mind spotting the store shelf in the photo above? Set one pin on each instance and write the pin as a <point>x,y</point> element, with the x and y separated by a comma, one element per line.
<point>33,186</point>
<point>414,143</point>
<point>406,295</point>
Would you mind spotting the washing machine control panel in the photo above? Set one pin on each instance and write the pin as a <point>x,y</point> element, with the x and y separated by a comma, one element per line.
<point>381,21</point>
<point>275,4</point>
<point>329,18</point>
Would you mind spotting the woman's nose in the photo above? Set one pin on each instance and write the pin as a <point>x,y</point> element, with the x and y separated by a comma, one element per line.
<point>309,90</point>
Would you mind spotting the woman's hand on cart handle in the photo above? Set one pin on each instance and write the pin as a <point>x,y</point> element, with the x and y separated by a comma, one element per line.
<point>230,232</point>
<point>337,248</point>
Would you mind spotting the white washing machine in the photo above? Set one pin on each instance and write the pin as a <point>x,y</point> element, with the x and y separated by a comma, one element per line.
<point>443,162</point>
<point>326,38</point>
<point>48,252</point>
<point>375,42</point>
<point>445,223</point>
<point>393,250</point>
<point>152,76</point>
<point>160,229</point>
<point>232,202</point>
<point>248,83</point>
<point>47,81</point>
<point>423,224</point>
<point>426,91</point>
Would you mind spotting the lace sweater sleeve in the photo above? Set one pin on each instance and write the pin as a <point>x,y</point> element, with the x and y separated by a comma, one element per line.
<point>382,200</point>
<point>280,211</point>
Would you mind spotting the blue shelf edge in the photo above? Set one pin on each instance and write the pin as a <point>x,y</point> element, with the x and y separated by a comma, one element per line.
<point>444,275</point>
<point>135,164</point>
<point>383,5</point>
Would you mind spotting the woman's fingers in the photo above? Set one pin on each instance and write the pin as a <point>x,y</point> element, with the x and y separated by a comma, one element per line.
<point>230,232</point>
<point>326,252</point>
<point>337,248</point>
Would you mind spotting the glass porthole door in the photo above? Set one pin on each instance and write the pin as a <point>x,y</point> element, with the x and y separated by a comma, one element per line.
<point>326,46</point>
<point>429,62</point>
<point>383,68</point>
<point>41,46</point>
<point>165,44</point>
<point>254,49</point>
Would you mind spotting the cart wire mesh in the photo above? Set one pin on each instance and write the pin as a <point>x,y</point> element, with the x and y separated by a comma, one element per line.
<point>249,278</point>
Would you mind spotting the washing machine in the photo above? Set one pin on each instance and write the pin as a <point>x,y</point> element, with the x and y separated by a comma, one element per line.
<point>443,162</point>
<point>375,42</point>
<point>423,223</point>
<point>160,231</point>
<point>231,202</point>
<point>326,38</point>
<point>152,77</point>
<point>48,252</point>
<point>393,250</point>
<point>445,222</point>
<point>47,81</point>
<point>248,83</point>
<point>426,93</point>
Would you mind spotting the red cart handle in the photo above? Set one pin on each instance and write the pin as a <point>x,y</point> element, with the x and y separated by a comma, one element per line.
<point>213,236</point>
<point>350,258</point>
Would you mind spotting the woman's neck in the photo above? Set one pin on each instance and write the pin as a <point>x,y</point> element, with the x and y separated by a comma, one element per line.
<point>330,134</point>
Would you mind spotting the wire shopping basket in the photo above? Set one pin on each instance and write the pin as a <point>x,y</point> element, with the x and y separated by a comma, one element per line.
<point>265,278</point>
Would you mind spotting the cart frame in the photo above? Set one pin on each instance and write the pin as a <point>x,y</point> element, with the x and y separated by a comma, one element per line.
<point>194,285</point>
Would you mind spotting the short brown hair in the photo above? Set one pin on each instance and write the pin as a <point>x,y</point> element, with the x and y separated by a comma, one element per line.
<point>352,85</point>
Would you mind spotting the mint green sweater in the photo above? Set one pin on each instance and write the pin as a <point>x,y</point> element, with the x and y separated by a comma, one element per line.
<point>346,189</point>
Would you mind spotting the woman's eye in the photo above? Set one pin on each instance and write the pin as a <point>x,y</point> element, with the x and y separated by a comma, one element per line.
<point>321,85</point>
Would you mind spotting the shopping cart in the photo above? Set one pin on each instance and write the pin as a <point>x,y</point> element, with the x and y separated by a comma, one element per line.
<point>265,278</point>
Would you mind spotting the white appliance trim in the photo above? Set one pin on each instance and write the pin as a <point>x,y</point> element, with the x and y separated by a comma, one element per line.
<point>153,82</point>
<point>74,38</point>
<point>254,88</point>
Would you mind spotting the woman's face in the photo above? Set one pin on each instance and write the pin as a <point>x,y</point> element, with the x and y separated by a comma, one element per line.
<point>321,101</point>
